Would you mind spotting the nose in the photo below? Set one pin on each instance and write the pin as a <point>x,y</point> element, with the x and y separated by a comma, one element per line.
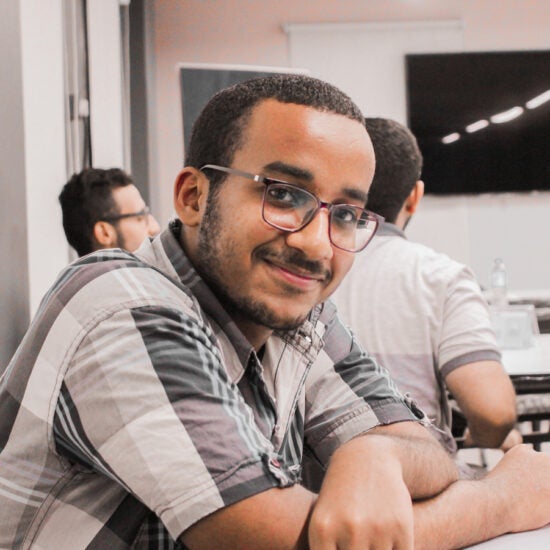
<point>313,239</point>
<point>153,226</point>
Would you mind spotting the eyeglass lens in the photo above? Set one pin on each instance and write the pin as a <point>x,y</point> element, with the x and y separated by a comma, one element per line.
<point>290,208</point>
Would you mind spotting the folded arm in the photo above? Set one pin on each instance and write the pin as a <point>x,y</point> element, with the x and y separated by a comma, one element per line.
<point>366,496</point>
<point>513,497</point>
<point>364,502</point>
<point>427,469</point>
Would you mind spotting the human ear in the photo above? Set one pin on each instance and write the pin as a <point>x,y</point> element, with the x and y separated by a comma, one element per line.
<point>190,192</point>
<point>414,198</point>
<point>104,234</point>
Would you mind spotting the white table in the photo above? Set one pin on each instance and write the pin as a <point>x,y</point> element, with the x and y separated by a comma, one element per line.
<point>529,370</point>
<point>534,360</point>
<point>530,540</point>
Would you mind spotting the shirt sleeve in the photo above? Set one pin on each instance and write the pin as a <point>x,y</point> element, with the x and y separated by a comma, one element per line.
<point>466,334</point>
<point>146,402</point>
<point>348,393</point>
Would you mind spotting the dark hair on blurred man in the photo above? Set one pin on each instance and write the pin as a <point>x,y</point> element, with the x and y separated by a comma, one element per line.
<point>104,209</point>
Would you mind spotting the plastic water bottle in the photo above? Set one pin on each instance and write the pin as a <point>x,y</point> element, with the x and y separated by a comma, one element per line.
<point>499,284</point>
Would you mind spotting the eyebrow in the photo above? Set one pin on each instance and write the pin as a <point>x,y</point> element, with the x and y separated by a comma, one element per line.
<point>307,176</point>
<point>289,170</point>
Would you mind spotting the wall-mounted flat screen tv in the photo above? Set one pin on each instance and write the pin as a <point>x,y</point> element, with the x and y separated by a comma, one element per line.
<point>482,120</point>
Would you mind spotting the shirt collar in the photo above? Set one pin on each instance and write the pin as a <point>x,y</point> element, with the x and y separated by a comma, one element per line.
<point>390,230</point>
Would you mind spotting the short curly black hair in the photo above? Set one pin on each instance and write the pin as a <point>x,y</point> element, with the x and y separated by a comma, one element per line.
<point>398,166</point>
<point>218,131</point>
<point>86,199</point>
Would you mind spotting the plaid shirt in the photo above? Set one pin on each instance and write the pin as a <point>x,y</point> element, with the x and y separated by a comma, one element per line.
<point>134,406</point>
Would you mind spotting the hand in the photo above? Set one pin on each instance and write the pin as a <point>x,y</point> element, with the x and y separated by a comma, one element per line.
<point>513,438</point>
<point>522,478</point>
<point>468,440</point>
<point>364,503</point>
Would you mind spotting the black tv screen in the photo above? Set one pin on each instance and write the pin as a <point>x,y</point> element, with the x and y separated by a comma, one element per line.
<point>504,100</point>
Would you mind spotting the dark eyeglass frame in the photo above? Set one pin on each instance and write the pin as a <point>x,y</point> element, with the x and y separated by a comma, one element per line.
<point>146,211</point>
<point>365,215</point>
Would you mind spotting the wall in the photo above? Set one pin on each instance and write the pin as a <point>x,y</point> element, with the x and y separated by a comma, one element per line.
<point>251,32</point>
<point>33,161</point>
<point>44,145</point>
<point>106,93</point>
<point>142,78</point>
<point>14,303</point>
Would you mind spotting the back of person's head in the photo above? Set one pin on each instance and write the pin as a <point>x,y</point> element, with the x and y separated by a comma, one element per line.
<point>86,199</point>
<point>219,130</point>
<point>398,166</point>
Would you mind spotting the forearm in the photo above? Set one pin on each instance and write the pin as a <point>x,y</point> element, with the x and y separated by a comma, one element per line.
<point>426,467</point>
<point>464,514</point>
<point>487,439</point>
<point>484,433</point>
<point>514,496</point>
<point>276,519</point>
<point>486,397</point>
<point>367,492</point>
<point>363,500</point>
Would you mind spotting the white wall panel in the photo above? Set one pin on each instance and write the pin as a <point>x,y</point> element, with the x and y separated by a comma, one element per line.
<point>105,63</point>
<point>44,141</point>
<point>367,60</point>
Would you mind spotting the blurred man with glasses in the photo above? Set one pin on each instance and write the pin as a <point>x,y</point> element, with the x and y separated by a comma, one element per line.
<point>168,400</point>
<point>104,209</point>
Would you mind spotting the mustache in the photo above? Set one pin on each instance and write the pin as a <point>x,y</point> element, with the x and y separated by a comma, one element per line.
<point>295,258</point>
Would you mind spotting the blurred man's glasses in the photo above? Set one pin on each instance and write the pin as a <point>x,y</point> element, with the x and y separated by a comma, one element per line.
<point>145,212</point>
<point>288,207</point>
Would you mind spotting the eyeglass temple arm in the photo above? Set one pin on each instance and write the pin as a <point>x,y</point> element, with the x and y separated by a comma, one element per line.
<point>234,171</point>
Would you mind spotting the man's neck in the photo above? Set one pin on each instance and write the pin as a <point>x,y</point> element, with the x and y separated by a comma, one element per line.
<point>402,220</point>
<point>256,334</point>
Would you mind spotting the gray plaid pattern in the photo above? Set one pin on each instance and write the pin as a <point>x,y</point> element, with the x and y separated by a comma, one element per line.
<point>113,409</point>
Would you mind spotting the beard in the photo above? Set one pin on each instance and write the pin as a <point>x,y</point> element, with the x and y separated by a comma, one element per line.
<point>213,255</point>
<point>120,240</point>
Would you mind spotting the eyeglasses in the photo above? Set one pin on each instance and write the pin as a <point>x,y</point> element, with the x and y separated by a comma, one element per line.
<point>290,208</point>
<point>142,213</point>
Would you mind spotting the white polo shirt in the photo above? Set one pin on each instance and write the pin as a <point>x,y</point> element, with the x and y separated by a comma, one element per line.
<point>420,314</point>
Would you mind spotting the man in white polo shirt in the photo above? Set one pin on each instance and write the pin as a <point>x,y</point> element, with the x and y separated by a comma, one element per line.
<point>420,313</point>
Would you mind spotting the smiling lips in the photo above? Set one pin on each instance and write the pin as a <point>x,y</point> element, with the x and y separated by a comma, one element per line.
<point>294,268</point>
<point>297,277</point>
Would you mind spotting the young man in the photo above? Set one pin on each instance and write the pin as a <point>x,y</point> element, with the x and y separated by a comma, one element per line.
<point>170,398</point>
<point>104,209</point>
<point>420,313</point>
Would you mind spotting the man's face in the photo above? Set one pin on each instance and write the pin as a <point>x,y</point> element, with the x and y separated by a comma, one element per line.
<point>263,275</point>
<point>131,231</point>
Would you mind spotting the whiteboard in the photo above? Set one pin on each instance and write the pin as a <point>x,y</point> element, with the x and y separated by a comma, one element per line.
<point>367,60</point>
